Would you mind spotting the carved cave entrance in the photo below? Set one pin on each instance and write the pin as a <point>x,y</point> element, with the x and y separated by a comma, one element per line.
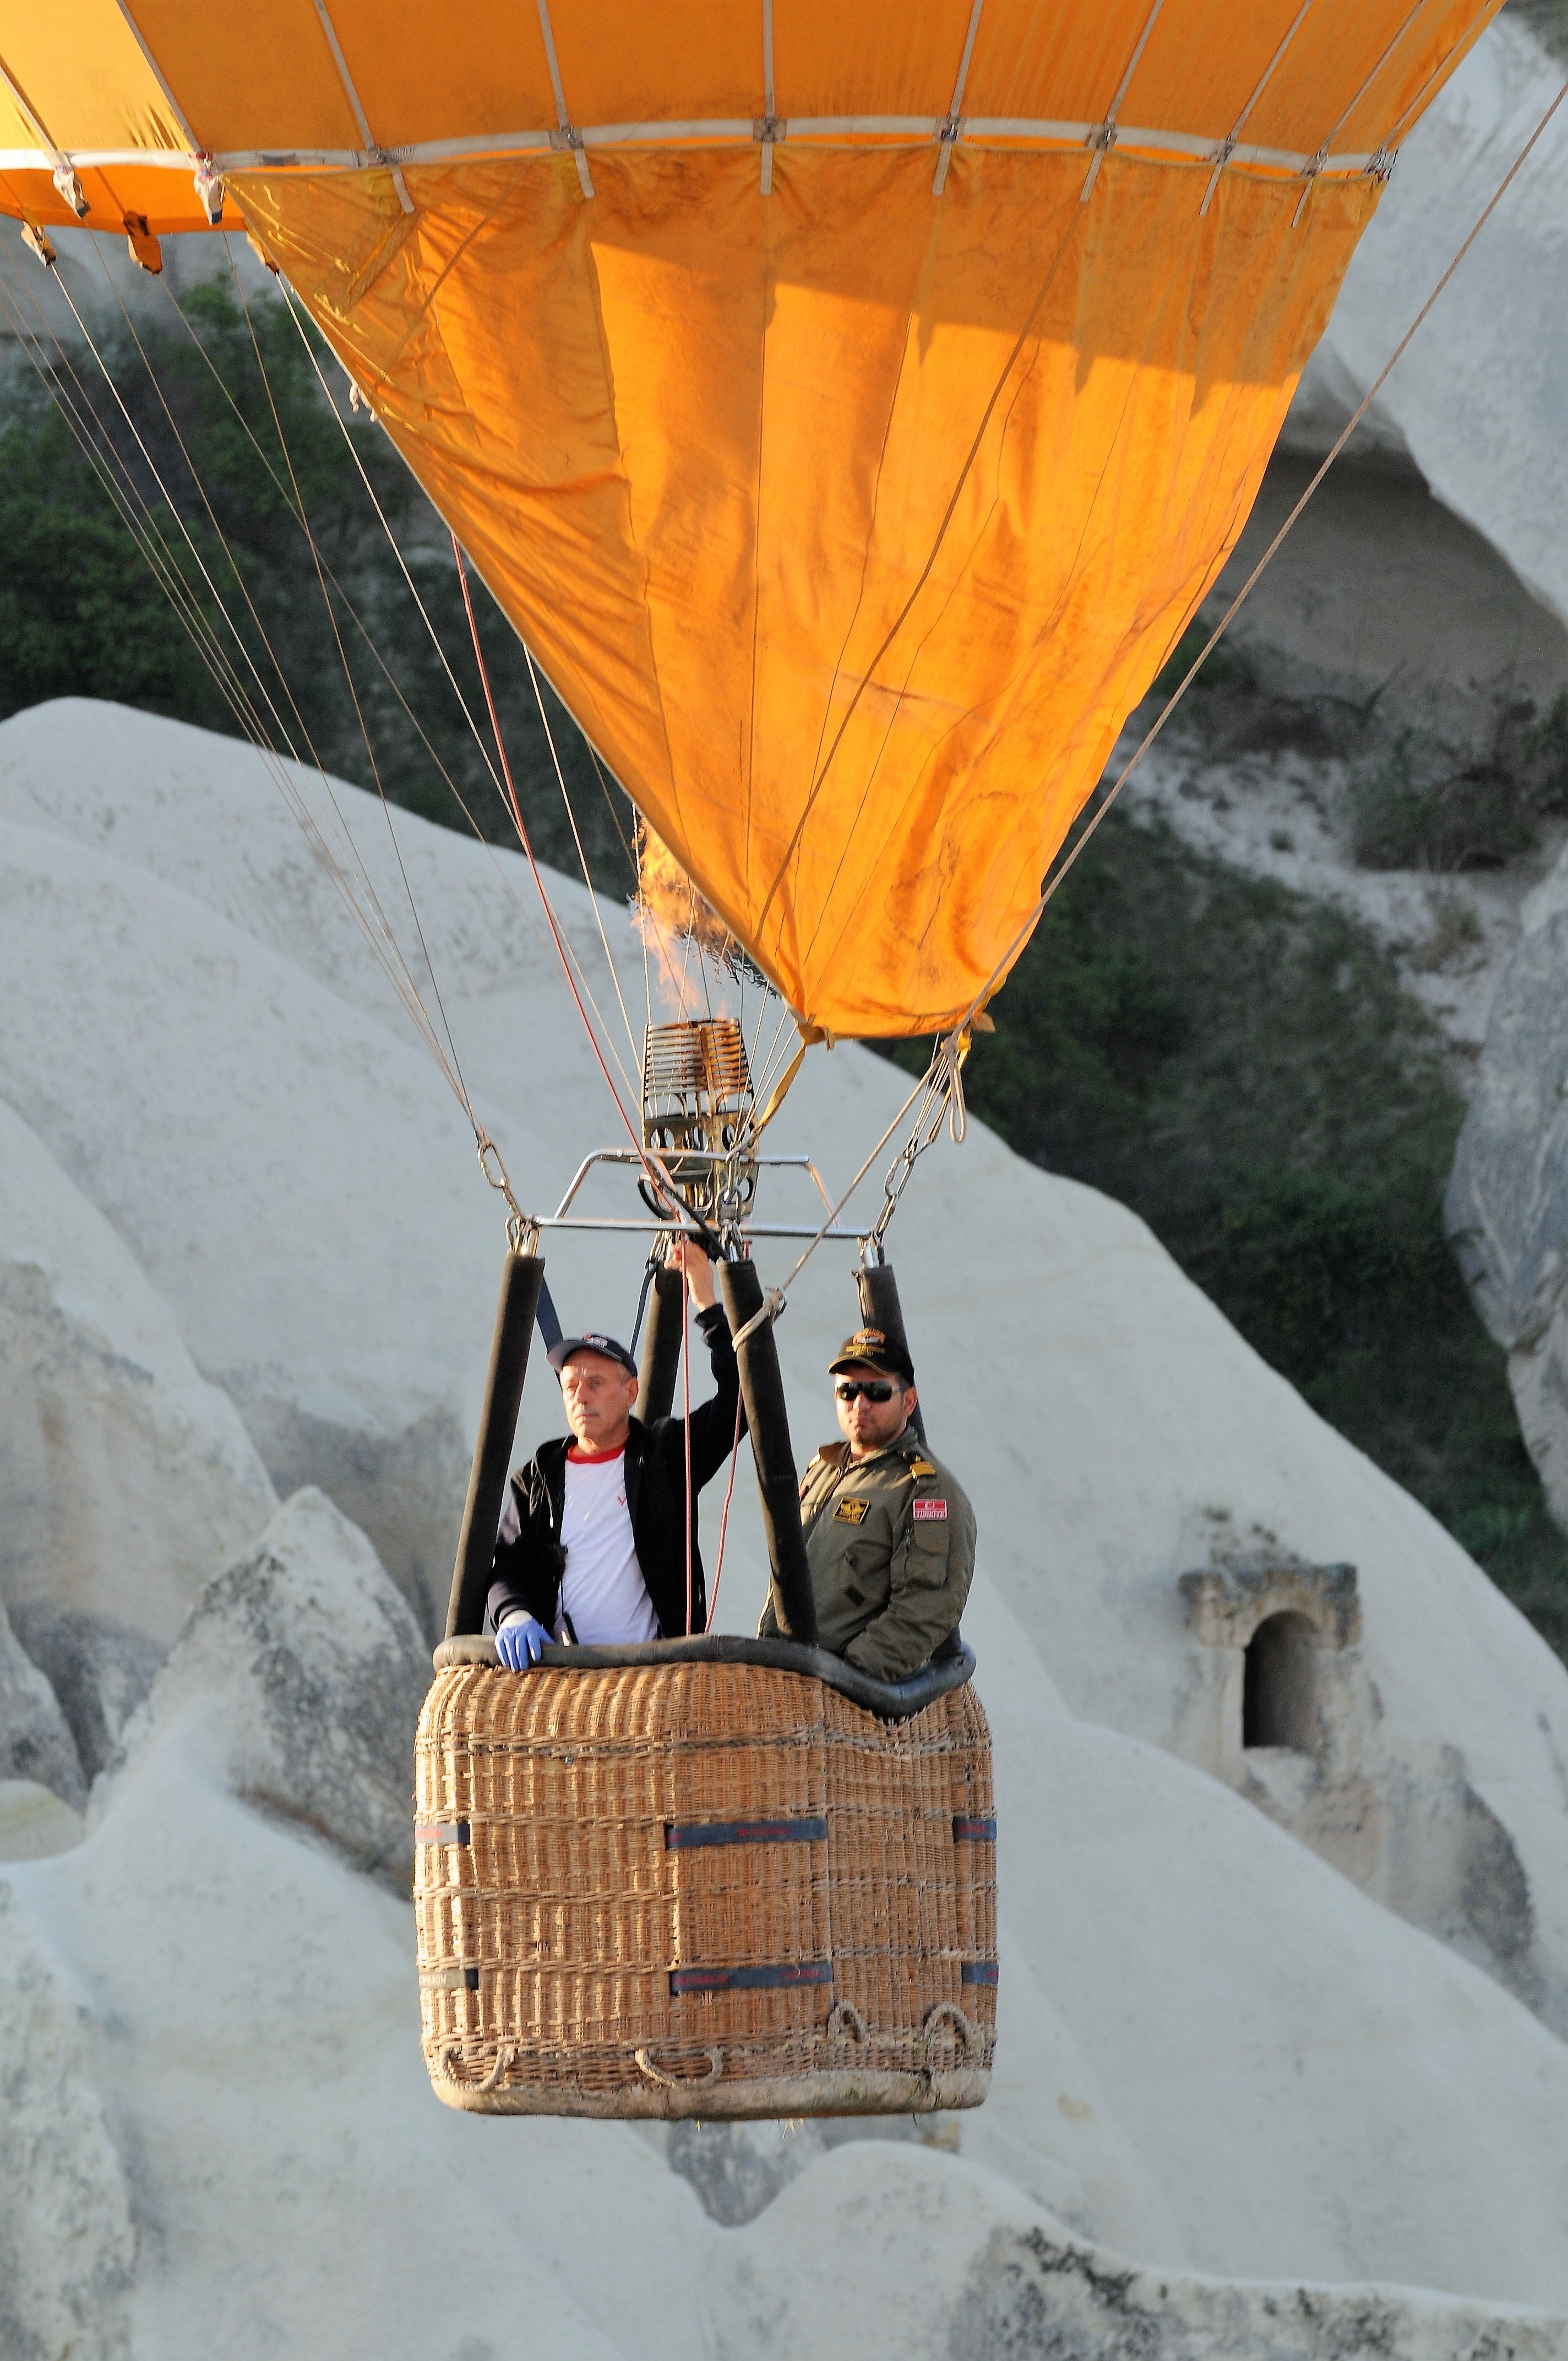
<point>1279,1685</point>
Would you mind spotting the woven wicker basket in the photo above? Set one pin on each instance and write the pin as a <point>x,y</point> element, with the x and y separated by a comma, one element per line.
<point>708,1889</point>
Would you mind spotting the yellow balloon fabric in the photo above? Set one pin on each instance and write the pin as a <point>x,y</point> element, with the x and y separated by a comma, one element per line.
<point>849,405</point>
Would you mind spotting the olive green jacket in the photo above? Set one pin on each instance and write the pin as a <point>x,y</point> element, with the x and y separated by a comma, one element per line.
<point>890,1542</point>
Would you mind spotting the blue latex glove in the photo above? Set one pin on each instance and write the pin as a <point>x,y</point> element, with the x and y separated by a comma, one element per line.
<point>519,1641</point>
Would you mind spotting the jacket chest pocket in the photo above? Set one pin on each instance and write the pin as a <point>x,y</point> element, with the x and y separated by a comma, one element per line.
<point>863,1545</point>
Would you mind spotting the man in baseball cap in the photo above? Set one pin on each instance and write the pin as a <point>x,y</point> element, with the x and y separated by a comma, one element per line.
<point>593,1539</point>
<point>890,1535</point>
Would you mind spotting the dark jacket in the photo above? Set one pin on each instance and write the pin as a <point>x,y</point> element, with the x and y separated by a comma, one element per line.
<point>527,1571</point>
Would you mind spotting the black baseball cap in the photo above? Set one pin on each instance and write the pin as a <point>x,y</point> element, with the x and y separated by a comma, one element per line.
<point>873,1348</point>
<point>562,1350</point>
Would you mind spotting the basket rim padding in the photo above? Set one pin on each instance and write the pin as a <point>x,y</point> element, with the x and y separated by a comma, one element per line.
<point>889,1700</point>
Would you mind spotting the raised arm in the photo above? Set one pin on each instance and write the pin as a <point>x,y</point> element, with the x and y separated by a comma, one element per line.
<point>714,1430</point>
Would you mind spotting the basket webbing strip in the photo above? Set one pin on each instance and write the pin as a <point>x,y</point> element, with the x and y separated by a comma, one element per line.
<point>681,1839</point>
<point>789,1971</point>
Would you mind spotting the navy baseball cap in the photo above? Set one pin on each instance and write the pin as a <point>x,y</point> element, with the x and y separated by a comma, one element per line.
<point>562,1350</point>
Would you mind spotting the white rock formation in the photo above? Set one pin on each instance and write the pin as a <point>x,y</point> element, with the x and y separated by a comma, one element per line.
<point>35,1821</point>
<point>1425,587</point>
<point>297,1683</point>
<point>1478,398</point>
<point>128,1480</point>
<point>335,1294</point>
<point>1258,2073</point>
<point>1507,1207</point>
<point>353,1325</point>
<point>67,2245</point>
<point>1217,2054</point>
<point>988,2277</point>
<point>36,1743</point>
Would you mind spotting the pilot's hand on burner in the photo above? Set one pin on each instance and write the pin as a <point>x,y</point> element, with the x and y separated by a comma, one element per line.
<point>687,1255</point>
<point>520,1642</point>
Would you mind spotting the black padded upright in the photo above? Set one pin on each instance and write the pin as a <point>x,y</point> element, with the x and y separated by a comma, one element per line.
<point>880,1308</point>
<point>762,1391</point>
<point>661,1346</point>
<point>522,1279</point>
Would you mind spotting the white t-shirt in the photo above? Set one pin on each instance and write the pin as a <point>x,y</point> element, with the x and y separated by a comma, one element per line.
<point>602,1590</point>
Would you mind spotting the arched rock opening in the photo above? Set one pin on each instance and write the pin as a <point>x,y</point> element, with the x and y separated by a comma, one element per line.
<point>1279,1685</point>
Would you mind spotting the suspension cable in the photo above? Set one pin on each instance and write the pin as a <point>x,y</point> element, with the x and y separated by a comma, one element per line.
<point>653,1169</point>
<point>1174,699</point>
<point>148,536</point>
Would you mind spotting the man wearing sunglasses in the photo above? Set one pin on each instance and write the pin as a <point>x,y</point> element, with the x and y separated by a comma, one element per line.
<point>889,1532</point>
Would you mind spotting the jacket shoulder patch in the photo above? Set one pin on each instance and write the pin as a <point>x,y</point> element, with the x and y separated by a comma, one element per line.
<point>921,1467</point>
<point>855,1512</point>
<point>930,1512</point>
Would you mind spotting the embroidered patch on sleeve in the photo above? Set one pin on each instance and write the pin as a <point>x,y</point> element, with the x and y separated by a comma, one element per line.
<point>854,1512</point>
<point>930,1512</point>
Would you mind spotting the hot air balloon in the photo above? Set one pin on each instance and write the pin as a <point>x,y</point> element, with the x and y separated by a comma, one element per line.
<point>849,407</point>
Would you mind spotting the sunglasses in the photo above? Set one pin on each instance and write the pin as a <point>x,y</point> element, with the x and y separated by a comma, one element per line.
<point>849,1389</point>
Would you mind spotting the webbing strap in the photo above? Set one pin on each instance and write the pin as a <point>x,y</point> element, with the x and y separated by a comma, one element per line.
<point>791,1971</point>
<point>678,1839</point>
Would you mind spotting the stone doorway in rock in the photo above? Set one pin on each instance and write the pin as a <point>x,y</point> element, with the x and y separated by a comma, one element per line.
<point>1279,1705</point>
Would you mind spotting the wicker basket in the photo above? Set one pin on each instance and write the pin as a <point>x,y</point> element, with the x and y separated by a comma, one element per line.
<point>708,1889</point>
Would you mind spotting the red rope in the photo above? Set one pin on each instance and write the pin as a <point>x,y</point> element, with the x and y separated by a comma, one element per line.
<point>657,1179</point>
<point>687,1383</point>
<point>724,1519</point>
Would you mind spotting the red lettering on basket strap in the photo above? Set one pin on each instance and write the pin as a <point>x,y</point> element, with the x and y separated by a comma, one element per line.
<point>681,1838</point>
<point>791,1971</point>
<point>978,1972</point>
<point>442,1832</point>
<point>974,1832</point>
<point>930,1512</point>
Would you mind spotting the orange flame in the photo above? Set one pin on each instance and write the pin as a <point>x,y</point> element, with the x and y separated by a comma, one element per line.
<point>675,921</point>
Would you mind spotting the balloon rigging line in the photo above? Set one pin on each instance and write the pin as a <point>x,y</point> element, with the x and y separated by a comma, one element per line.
<point>198,628</point>
<point>1214,637</point>
<point>353,695</point>
<point>686,1422</point>
<point>1314,168</point>
<point>299,509</point>
<point>508,801</point>
<point>366,636</point>
<point>456,1075</point>
<point>577,836</point>
<point>653,1169</point>
<point>288,297</point>
<point>338,589</point>
<point>724,1519</point>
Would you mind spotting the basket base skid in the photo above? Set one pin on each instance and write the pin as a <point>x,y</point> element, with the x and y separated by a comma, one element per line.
<point>844,2091</point>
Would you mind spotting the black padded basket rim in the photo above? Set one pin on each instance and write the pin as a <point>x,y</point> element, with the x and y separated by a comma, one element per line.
<point>889,1700</point>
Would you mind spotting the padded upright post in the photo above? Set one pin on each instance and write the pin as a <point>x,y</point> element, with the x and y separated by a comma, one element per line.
<point>522,1279</point>
<point>661,1345</point>
<point>880,1308</point>
<point>762,1391</point>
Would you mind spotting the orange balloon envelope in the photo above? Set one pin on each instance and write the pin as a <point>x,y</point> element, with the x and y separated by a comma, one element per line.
<point>850,405</point>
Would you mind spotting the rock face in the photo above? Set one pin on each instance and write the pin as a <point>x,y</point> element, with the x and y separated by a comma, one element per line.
<point>299,1678</point>
<point>986,2281</point>
<point>351,1319</point>
<point>128,1480</point>
<point>66,2249</point>
<point>1478,400</point>
<point>1506,1208</point>
<point>35,1742</point>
